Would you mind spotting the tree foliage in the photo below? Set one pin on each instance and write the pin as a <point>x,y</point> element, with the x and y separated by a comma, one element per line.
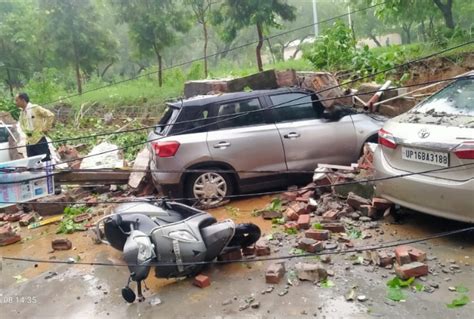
<point>153,25</point>
<point>263,14</point>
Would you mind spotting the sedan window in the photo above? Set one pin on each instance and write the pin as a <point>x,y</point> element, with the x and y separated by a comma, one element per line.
<point>456,99</point>
<point>290,107</point>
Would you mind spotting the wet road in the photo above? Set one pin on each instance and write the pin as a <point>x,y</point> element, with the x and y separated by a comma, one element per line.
<point>76,291</point>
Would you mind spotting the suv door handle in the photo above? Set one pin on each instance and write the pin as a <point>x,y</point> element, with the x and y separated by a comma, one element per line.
<point>222,145</point>
<point>292,135</point>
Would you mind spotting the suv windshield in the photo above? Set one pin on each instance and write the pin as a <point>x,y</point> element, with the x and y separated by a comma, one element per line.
<point>456,99</point>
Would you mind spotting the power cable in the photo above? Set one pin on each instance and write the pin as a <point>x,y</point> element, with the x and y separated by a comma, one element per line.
<point>371,180</point>
<point>389,244</point>
<point>276,106</point>
<point>216,54</point>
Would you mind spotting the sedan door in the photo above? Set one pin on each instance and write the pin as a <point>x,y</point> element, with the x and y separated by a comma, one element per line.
<point>247,143</point>
<point>307,138</point>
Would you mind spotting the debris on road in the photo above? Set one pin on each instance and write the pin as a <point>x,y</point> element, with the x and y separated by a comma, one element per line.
<point>202,281</point>
<point>275,273</point>
<point>61,244</point>
<point>8,236</point>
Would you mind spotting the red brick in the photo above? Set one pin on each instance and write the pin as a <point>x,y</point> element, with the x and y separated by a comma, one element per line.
<point>231,255</point>
<point>303,222</point>
<point>401,255</point>
<point>301,199</point>
<point>356,201</point>
<point>202,281</point>
<point>384,259</point>
<point>61,244</point>
<point>306,195</point>
<point>317,234</point>
<point>249,251</point>
<point>310,245</point>
<point>415,269</point>
<point>51,205</point>
<point>2,216</point>
<point>291,224</point>
<point>334,227</point>
<point>416,254</point>
<point>291,214</point>
<point>274,273</point>
<point>13,217</point>
<point>289,196</point>
<point>8,236</point>
<point>12,209</point>
<point>331,214</point>
<point>349,244</point>
<point>82,217</point>
<point>381,203</point>
<point>27,219</point>
<point>268,214</point>
<point>262,248</point>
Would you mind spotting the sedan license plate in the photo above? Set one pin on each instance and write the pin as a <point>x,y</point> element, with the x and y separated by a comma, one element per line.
<point>428,157</point>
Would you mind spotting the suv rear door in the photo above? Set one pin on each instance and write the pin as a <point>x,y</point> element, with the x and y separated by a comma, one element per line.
<point>247,143</point>
<point>307,138</point>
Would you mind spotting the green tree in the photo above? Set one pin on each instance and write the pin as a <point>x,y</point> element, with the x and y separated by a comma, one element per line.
<point>14,43</point>
<point>79,39</point>
<point>153,25</point>
<point>238,14</point>
<point>202,10</point>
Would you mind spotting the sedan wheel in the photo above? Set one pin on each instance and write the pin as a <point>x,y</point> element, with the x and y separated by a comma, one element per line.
<point>210,188</point>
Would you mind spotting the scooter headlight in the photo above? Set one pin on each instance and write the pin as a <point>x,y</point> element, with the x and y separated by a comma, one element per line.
<point>145,248</point>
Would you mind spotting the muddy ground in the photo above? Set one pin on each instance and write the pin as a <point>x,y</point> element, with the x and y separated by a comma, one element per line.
<point>31,290</point>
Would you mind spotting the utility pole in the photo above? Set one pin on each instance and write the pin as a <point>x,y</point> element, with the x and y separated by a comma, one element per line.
<point>315,19</point>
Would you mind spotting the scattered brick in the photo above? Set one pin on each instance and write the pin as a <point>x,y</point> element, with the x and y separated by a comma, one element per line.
<point>303,221</point>
<point>310,245</point>
<point>401,255</point>
<point>381,203</point>
<point>289,196</point>
<point>82,217</point>
<point>317,234</point>
<point>202,281</point>
<point>249,251</point>
<point>302,199</point>
<point>291,224</point>
<point>2,216</point>
<point>334,227</point>
<point>331,214</point>
<point>275,273</point>
<point>27,219</point>
<point>269,214</point>
<point>262,248</point>
<point>231,255</point>
<point>8,235</point>
<point>51,205</point>
<point>416,254</point>
<point>414,269</point>
<point>13,217</point>
<point>356,201</point>
<point>384,259</point>
<point>61,244</point>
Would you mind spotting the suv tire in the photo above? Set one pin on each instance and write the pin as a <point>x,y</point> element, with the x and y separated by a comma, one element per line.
<point>208,184</point>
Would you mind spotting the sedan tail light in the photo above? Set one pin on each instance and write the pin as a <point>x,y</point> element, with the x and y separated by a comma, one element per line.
<point>465,150</point>
<point>387,139</point>
<point>165,149</point>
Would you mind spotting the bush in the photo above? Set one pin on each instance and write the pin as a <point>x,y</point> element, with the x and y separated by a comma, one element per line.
<point>334,50</point>
<point>7,105</point>
<point>43,87</point>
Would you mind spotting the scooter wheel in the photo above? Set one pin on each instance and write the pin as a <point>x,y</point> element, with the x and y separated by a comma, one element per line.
<point>245,235</point>
<point>128,294</point>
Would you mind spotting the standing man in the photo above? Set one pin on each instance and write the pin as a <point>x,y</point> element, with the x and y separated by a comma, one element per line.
<point>35,121</point>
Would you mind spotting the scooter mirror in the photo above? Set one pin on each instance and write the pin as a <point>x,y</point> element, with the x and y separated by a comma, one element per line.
<point>128,294</point>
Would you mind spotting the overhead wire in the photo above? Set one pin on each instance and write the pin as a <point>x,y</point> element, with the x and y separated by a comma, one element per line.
<point>276,106</point>
<point>359,249</point>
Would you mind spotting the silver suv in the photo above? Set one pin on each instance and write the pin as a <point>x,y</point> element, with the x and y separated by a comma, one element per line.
<point>253,151</point>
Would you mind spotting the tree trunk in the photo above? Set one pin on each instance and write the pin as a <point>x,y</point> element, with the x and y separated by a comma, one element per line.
<point>446,10</point>
<point>423,31</point>
<point>78,77</point>
<point>206,39</point>
<point>160,69</point>
<point>374,38</point>
<point>259,47</point>
<point>106,69</point>
<point>407,29</point>
<point>271,50</point>
<point>9,81</point>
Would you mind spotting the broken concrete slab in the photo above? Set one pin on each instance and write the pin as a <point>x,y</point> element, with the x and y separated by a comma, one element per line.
<point>275,273</point>
<point>140,168</point>
<point>310,272</point>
